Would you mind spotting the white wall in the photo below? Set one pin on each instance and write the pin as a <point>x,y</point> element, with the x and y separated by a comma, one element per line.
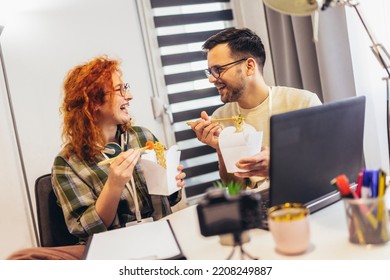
<point>14,215</point>
<point>41,41</point>
<point>251,14</point>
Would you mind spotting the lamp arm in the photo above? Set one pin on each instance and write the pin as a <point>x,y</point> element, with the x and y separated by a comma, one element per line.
<point>381,60</point>
<point>375,45</point>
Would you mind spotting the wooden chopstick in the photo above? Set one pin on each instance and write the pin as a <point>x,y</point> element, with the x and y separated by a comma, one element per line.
<point>109,160</point>
<point>221,120</point>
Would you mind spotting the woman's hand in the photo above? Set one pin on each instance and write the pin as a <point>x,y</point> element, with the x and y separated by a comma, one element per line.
<point>121,169</point>
<point>180,177</point>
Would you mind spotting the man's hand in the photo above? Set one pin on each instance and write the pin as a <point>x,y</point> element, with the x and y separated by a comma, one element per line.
<point>206,131</point>
<point>258,165</point>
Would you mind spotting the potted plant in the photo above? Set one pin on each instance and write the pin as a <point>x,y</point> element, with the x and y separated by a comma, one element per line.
<point>232,187</point>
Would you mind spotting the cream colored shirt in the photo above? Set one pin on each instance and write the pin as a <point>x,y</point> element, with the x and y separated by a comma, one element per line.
<point>283,99</point>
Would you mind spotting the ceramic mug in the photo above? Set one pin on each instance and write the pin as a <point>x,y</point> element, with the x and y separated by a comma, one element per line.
<point>289,225</point>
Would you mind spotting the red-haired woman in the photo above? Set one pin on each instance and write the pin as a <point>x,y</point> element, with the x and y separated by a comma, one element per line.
<point>96,198</point>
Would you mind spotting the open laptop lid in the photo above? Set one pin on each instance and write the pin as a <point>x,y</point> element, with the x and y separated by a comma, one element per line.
<point>309,147</point>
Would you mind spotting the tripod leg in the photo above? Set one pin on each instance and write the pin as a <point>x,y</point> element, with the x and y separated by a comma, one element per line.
<point>244,253</point>
<point>231,253</point>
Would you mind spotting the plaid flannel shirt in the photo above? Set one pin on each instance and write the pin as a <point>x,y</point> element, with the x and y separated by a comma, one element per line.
<point>78,183</point>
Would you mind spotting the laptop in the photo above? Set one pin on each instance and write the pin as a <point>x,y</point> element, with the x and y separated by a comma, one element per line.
<point>309,147</point>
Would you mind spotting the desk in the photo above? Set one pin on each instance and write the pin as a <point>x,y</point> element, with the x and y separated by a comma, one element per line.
<point>329,239</point>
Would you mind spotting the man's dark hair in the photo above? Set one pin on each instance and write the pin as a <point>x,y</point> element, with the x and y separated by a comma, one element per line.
<point>242,43</point>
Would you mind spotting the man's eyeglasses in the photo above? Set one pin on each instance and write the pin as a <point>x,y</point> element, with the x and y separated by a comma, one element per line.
<point>216,70</point>
<point>124,88</point>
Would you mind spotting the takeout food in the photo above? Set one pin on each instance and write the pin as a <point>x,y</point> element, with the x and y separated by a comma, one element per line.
<point>160,155</point>
<point>149,145</point>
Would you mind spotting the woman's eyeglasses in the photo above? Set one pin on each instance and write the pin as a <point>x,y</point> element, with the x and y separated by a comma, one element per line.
<point>217,70</point>
<point>124,88</point>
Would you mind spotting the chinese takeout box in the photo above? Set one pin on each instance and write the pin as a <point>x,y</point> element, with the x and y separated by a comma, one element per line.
<point>161,180</point>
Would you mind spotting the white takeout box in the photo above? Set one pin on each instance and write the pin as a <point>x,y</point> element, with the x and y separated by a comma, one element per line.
<point>161,181</point>
<point>236,145</point>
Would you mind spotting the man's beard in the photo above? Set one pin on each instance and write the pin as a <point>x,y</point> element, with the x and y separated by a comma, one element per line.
<point>233,95</point>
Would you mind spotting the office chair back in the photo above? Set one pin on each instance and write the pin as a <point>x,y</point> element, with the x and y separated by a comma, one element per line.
<point>51,223</point>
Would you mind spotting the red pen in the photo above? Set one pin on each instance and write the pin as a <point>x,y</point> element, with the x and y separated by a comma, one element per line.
<point>359,184</point>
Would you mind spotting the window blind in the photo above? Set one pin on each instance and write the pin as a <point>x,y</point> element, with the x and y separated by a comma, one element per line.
<point>181,27</point>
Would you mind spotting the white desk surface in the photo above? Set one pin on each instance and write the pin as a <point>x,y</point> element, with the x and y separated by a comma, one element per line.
<point>329,239</point>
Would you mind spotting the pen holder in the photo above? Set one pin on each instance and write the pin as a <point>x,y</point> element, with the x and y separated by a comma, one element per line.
<point>367,220</point>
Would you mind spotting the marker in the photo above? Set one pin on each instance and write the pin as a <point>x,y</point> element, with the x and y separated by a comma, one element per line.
<point>381,193</point>
<point>381,183</point>
<point>341,182</point>
<point>366,184</point>
<point>374,183</point>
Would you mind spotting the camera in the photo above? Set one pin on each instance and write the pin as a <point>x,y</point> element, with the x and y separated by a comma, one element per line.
<point>219,213</point>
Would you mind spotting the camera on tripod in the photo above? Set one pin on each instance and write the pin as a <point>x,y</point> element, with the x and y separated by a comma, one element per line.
<point>219,213</point>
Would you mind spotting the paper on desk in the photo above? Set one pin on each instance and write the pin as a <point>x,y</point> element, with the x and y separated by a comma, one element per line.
<point>161,181</point>
<point>236,145</point>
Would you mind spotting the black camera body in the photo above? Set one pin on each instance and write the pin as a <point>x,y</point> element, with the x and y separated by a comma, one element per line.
<point>219,213</point>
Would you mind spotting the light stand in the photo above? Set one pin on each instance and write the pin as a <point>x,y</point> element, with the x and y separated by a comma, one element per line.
<point>304,8</point>
<point>18,144</point>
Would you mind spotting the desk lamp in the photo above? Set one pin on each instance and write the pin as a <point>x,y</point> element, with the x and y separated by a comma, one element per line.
<point>311,7</point>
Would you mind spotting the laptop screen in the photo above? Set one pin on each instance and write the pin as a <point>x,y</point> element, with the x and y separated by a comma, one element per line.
<point>310,147</point>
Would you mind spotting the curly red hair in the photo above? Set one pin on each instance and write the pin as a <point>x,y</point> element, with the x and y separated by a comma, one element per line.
<point>84,89</point>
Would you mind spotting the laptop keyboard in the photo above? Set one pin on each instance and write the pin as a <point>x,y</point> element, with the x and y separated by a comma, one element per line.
<point>264,205</point>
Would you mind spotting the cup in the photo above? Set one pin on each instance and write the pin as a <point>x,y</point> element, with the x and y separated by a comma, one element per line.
<point>367,220</point>
<point>289,225</point>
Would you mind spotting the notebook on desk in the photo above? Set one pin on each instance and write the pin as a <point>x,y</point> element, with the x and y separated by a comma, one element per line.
<point>153,240</point>
<point>309,147</point>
